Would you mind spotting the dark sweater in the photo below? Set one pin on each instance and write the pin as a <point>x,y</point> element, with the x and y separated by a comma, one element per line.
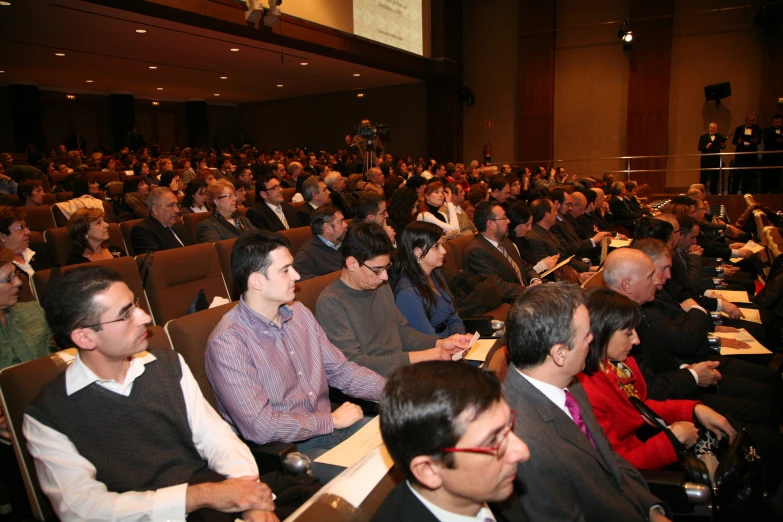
<point>316,258</point>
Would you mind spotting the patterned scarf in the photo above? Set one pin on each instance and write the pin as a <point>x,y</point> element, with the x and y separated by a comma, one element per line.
<point>625,378</point>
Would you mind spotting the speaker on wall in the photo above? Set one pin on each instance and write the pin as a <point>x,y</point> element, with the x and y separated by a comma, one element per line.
<point>717,91</point>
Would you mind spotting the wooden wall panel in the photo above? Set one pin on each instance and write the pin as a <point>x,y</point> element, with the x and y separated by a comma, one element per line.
<point>772,67</point>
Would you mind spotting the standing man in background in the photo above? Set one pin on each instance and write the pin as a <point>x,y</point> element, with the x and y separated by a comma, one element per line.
<point>773,141</point>
<point>710,144</point>
<point>746,139</point>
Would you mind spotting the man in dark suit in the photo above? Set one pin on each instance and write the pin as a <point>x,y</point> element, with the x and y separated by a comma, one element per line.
<point>492,254</point>
<point>773,142</point>
<point>499,190</point>
<point>564,229</point>
<point>622,213</point>
<point>315,194</point>
<point>543,243</point>
<point>162,229</point>
<point>572,473</point>
<point>600,214</point>
<point>340,199</point>
<point>321,254</point>
<point>271,212</point>
<point>711,144</point>
<point>451,435</point>
<point>746,139</point>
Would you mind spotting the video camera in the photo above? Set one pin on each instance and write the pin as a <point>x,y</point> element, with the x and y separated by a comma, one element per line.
<point>374,130</point>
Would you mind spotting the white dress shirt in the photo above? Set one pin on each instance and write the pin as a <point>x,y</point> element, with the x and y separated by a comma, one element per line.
<point>68,479</point>
<point>552,392</point>
<point>442,515</point>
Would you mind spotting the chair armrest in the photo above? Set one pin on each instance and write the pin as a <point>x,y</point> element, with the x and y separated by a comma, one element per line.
<point>337,397</point>
<point>671,487</point>
<point>271,456</point>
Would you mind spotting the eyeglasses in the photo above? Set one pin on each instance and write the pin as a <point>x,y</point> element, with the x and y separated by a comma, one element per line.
<point>275,188</point>
<point>124,317</point>
<point>13,275</point>
<point>232,195</point>
<point>499,449</point>
<point>20,227</point>
<point>503,218</point>
<point>171,205</point>
<point>378,270</point>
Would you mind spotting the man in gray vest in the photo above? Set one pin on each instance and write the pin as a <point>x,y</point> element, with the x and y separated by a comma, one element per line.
<point>125,433</point>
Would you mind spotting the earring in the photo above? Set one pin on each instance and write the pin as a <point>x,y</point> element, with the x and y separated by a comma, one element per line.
<point>418,260</point>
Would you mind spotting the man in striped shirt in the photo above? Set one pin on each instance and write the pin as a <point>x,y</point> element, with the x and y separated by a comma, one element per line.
<point>271,365</point>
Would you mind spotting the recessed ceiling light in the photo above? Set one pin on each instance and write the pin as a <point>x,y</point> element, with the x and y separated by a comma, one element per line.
<point>279,84</point>
<point>141,31</point>
<point>89,81</point>
<point>356,74</point>
<point>302,63</point>
<point>1,72</point>
<point>234,49</point>
<point>360,95</point>
<point>5,3</point>
<point>153,67</point>
<point>160,88</point>
<point>155,103</point>
<point>70,96</point>
<point>217,94</point>
<point>59,54</point>
<point>224,77</point>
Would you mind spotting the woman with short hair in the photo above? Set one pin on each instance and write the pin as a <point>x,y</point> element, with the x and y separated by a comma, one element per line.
<point>89,235</point>
<point>31,192</point>
<point>224,223</point>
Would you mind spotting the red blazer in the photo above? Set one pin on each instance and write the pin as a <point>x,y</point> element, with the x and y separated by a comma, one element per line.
<point>620,420</point>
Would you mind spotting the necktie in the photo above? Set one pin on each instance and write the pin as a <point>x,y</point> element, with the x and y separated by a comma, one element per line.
<point>176,236</point>
<point>576,414</point>
<point>511,261</point>
<point>279,212</point>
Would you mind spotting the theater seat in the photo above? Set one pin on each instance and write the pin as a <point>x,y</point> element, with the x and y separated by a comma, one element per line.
<point>176,276</point>
<point>125,266</point>
<point>59,243</point>
<point>307,291</point>
<point>38,218</point>
<point>191,222</point>
<point>288,194</point>
<point>125,228</point>
<point>189,336</point>
<point>297,237</point>
<point>224,248</point>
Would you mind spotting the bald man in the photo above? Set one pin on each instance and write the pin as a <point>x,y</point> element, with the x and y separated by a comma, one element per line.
<point>710,144</point>
<point>600,215</point>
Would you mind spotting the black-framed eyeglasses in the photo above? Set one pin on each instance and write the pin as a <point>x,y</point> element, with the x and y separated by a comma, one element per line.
<point>378,270</point>
<point>171,205</point>
<point>13,275</point>
<point>271,189</point>
<point>126,316</point>
<point>498,449</point>
<point>502,218</point>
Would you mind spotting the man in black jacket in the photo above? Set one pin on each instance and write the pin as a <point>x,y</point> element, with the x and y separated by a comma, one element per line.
<point>271,212</point>
<point>773,142</point>
<point>321,254</point>
<point>746,139</point>
<point>711,144</point>
<point>162,229</point>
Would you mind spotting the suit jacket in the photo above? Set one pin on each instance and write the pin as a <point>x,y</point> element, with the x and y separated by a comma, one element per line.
<point>345,202</point>
<point>265,218</point>
<point>217,228</point>
<point>150,235</point>
<point>566,478</point>
<point>565,231</point>
<point>484,259</point>
<point>544,244</point>
<point>708,159</point>
<point>316,258</point>
<point>740,137</point>
<point>621,211</point>
<point>402,505</point>
<point>684,334</point>
<point>772,141</point>
<point>304,213</point>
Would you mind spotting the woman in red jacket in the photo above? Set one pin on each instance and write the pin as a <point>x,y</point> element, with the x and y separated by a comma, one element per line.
<point>611,377</point>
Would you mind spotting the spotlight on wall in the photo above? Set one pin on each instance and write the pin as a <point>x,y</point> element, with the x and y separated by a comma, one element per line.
<point>155,103</point>
<point>626,35</point>
<point>70,96</point>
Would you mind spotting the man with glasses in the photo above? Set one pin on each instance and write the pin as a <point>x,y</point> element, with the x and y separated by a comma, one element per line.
<point>271,365</point>
<point>371,208</point>
<point>125,433</point>
<point>162,228</point>
<point>451,435</point>
<point>358,313</point>
<point>492,254</point>
<point>572,473</point>
<point>271,212</point>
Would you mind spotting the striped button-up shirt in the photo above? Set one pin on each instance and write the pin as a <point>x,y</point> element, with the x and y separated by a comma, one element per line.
<point>272,382</point>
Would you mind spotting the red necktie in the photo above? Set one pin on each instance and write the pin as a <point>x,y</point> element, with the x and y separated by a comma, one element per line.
<point>576,414</point>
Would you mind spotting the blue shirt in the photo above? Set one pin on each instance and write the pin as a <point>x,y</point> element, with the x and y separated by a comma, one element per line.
<point>411,304</point>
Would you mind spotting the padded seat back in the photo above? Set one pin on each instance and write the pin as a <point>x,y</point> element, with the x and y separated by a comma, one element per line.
<point>63,196</point>
<point>189,336</point>
<point>761,219</point>
<point>59,243</point>
<point>749,200</point>
<point>125,229</point>
<point>191,222</point>
<point>297,237</point>
<point>597,281</point>
<point>176,276</point>
<point>307,291</point>
<point>125,266</point>
<point>288,194</point>
<point>39,218</point>
<point>224,248</point>
<point>460,246</point>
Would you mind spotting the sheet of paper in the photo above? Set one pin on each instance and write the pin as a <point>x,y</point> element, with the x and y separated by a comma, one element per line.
<point>756,348</point>
<point>620,243</point>
<point>355,447</point>
<point>733,296</point>
<point>750,245</point>
<point>561,263</point>
<point>480,350</point>
<point>751,314</point>
<point>604,249</point>
<point>461,355</point>
<point>356,482</point>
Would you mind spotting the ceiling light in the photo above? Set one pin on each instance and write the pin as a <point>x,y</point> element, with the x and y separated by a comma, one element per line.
<point>5,3</point>
<point>141,31</point>
<point>59,54</point>
<point>224,77</point>
<point>153,67</point>
<point>70,96</point>
<point>360,95</point>
<point>217,95</point>
<point>160,88</point>
<point>89,81</point>
<point>234,49</point>
<point>155,103</point>
<point>356,74</point>
<point>279,84</point>
<point>1,72</point>
<point>302,63</point>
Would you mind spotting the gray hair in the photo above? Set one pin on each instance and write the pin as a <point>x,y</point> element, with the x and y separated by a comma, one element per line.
<point>332,178</point>
<point>156,196</point>
<point>293,166</point>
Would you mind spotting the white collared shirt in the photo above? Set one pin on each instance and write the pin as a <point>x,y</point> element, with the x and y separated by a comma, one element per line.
<point>552,392</point>
<point>68,479</point>
<point>27,255</point>
<point>442,515</point>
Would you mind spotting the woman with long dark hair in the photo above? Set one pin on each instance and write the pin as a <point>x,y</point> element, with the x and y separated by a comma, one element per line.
<point>195,199</point>
<point>520,222</point>
<point>420,291</point>
<point>403,206</point>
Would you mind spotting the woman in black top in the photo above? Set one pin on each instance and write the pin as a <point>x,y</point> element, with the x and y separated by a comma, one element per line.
<point>89,235</point>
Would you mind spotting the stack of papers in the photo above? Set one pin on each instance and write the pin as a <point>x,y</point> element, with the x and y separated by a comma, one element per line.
<point>751,314</point>
<point>756,348</point>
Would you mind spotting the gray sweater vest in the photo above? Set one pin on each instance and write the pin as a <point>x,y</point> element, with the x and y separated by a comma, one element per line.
<point>137,443</point>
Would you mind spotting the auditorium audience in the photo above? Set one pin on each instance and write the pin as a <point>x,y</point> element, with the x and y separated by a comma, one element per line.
<point>195,199</point>
<point>271,212</point>
<point>499,190</point>
<point>88,430</point>
<point>338,195</point>
<point>89,235</point>
<point>171,180</point>
<point>162,228</point>
<point>622,213</point>
<point>545,244</point>
<point>15,236</point>
<point>451,435</point>
<point>572,473</point>
<point>224,223</point>
<point>375,181</point>
<point>420,291</point>
<point>31,192</point>
<point>321,254</point>
<point>520,223</point>
<point>287,397</point>
<point>466,226</point>
<point>358,313</point>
